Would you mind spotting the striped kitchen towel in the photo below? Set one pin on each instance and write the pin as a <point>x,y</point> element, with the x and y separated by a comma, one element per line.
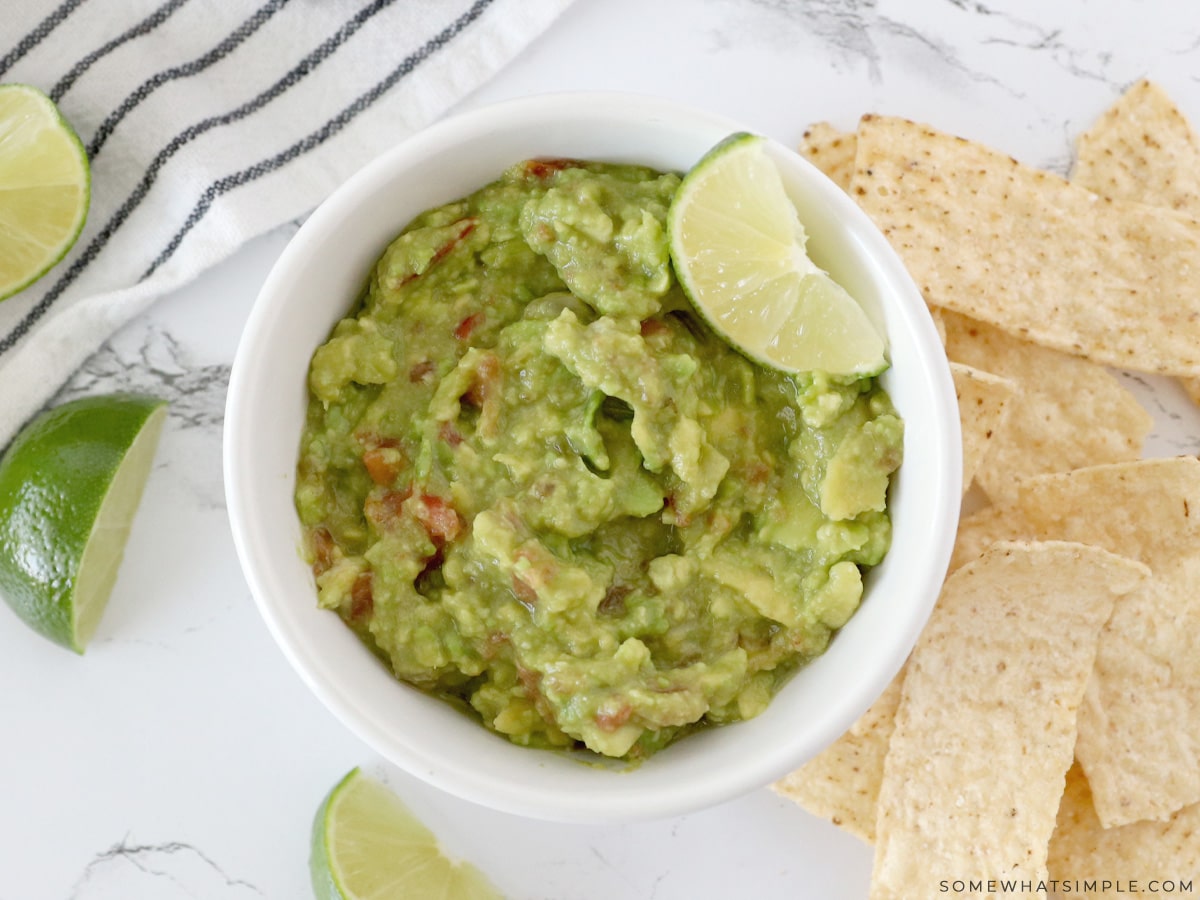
<point>209,122</point>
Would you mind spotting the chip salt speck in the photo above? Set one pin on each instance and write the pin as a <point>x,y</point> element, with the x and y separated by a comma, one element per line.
<point>1070,412</point>
<point>992,679</point>
<point>1143,149</point>
<point>830,150</point>
<point>842,782</point>
<point>1139,852</point>
<point>1031,253</point>
<point>1139,728</point>
<point>1042,282</point>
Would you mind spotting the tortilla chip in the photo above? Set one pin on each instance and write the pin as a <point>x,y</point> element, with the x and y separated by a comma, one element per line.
<point>842,783</point>
<point>833,152</point>
<point>1142,851</point>
<point>1031,253</point>
<point>1143,150</point>
<point>1071,412</point>
<point>1191,386</point>
<point>983,407</point>
<point>979,530</point>
<point>830,150</point>
<point>986,722</point>
<point>1139,727</point>
<point>939,322</point>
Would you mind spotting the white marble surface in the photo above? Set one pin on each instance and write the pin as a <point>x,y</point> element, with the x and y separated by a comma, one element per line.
<point>182,758</point>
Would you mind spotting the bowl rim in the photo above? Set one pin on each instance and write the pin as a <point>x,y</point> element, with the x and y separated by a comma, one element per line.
<point>620,805</point>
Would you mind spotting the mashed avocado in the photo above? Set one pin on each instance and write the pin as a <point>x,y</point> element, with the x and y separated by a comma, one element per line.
<point>535,483</point>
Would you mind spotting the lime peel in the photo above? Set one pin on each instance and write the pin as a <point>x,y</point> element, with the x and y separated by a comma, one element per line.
<point>45,186</point>
<point>70,484</point>
<point>739,251</point>
<point>367,845</point>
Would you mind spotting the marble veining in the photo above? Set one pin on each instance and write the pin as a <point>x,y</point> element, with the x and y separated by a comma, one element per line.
<point>206,753</point>
<point>844,24</point>
<point>149,359</point>
<point>1176,430</point>
<point>164,871</point>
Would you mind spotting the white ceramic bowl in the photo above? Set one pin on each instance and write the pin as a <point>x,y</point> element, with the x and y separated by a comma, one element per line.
<point>313,285</point>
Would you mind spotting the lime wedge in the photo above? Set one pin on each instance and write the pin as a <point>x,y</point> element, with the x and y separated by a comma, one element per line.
<point>366,845</point>
<point>45,186</point>
<point>70,484</point>
<point>738,248</point>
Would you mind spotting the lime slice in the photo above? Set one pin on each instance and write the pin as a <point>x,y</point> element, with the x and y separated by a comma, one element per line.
<point>45,186</point>
<point>366,845</point>
<point>738,248</point>
<point>70,484</point>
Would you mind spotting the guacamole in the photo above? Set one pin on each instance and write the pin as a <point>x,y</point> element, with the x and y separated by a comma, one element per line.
<point>538,485</point>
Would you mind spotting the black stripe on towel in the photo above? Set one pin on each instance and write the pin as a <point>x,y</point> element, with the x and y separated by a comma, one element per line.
<point>148,87</point>
<point>98,243</point>
<point>318,137</point>
<point>147,24</point>
<point>39,33</point>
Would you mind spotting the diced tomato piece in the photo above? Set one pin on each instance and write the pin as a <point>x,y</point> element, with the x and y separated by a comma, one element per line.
<point>384,464</point>
<point>440,519</point>
<point>681,520</point>
<point>544,168</point>
<point>612,720</point>
<point>614,599</point>
<point>322,545</point>
<point>383,509</point>
<point>466,226</point>
<point>530,680</point>
<point>422,372</point>
<point>525,593</point>
<point>448,433</point>
<point>464,328</point>
<point>652,327</point>
<point>487,379</point>
<point>362,600</point>
<point>494,644</point>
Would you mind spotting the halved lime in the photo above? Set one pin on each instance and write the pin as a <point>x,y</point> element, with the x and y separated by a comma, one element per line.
<point>367,845</point>
<point>738,248</point>
<point>70,484</point>
<point>45,186</point>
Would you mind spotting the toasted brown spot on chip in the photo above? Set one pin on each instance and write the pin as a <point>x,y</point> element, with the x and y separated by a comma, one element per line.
<point>832,151</point>
<point>842,782</point>
<point>959,716</point>
<point>1140,311</point>
<point>1164,171</point>
<point>1139,852</point>
<point>1070,413</point>
<point>1139,728</point>
<point>1118,158</point>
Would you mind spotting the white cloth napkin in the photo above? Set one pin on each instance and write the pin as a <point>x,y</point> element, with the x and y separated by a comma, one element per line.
<point>209,122</point>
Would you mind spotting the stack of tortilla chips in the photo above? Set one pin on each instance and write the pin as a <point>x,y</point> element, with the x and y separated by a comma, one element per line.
<point>1045,733</point>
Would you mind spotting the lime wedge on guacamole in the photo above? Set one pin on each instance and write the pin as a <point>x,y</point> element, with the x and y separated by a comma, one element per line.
<point>70,484</point>
<point>738,248</point>
<point>367,845</point>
